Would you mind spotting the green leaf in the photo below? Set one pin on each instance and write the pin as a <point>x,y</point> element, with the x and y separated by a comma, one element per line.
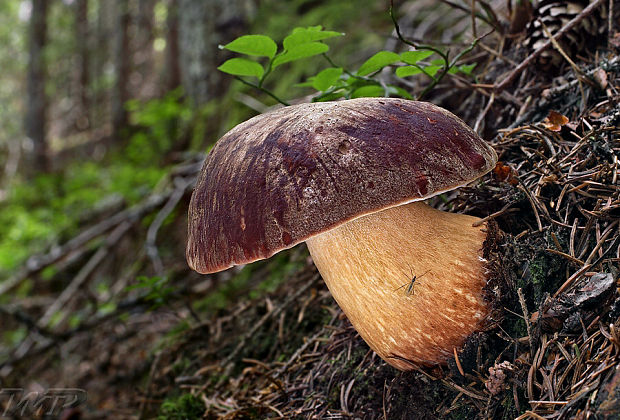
<point>377,62</point>
<point>301,51</point>
<point>464,68</point>
<point>259,45</point>
<point>329,97</point>
<point>395,90</point>
<point>307,83</point>
<point>408,71</point>
<point>368,91</point>
<point>242,67</point>
<point>467,68</point>
<point>306,35</point>
<point>412,57</point>
<point>432,70</point>
<point>326,78</point>
<point>106,308</point>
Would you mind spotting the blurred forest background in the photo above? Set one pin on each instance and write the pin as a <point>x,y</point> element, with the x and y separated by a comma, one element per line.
<point>107,109</point>
<point>99,97</point>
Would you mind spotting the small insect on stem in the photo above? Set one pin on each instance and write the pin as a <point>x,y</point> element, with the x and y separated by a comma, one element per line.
<point>411,284</point>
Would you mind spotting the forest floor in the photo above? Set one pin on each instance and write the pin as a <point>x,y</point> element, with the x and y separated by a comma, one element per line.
<point>268,340</point>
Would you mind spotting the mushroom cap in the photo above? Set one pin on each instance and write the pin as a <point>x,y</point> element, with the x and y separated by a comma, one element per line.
<point>284,176</point>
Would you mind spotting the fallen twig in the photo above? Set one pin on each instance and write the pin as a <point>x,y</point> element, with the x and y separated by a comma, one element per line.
<point>559,34</point>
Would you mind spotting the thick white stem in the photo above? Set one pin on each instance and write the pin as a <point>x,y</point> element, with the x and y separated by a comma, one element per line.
<point>370,262</point>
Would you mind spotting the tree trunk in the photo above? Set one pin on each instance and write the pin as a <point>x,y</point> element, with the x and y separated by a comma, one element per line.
<point>202,26</point>
<point>100,57</point>
<point>172,71</point>
<point>122,68</point>
<point>36,160</point>
<point>82,36</point>
<point>144,36</point>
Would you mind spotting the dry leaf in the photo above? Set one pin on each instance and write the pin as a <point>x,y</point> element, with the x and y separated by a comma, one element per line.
<point>505,173</point>
<point>555,121</point>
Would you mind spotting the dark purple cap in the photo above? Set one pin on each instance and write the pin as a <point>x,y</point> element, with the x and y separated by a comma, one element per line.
<point>284,176</point>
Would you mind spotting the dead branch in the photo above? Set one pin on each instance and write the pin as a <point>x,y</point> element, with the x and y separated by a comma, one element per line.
<point>182,185</point>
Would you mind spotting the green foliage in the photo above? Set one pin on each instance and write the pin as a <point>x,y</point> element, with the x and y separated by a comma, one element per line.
<point>301,43</point>
<point>326,78</point>
<point>301,51</point>
<point>16,336</point>
<point>335,82</point>
<point>186,406</point>
<point>156,289</point>
<point>51,207</point>
<point>160,124</point>
<point>257,45</point>
<point>242,67</point>
<point>378,62</point>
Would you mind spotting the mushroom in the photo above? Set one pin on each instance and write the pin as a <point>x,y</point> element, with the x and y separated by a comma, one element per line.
<point>349,178</point>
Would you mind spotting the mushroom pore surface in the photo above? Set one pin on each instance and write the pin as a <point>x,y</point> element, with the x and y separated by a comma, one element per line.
<point>368,264</point>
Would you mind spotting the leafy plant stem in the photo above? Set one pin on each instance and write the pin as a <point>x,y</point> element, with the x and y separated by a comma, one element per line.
<point>444,56</point>
<point>447,64</point>
<point>347,72</point>
<point>262,89</point>
<point>267,71</point>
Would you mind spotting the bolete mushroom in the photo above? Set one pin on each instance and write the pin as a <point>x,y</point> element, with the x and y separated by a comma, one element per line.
<point>349,178</point>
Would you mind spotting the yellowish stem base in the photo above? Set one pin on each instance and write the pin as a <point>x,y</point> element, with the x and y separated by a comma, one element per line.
<point>369,264</point>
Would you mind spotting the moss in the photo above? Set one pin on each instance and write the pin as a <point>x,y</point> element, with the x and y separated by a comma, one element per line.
<point>186,406</point>
<point>247,283</point>
<point>509,411</point>
<point>545,275</point>
<point>180,366</point>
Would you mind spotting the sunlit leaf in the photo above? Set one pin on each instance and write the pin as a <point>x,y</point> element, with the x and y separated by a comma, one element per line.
<point>467,68</point>
<point>242,67</point>
<point>368,91</point>
<point>412,57</point>
<point>301,51</point>
<point>306,35</point>
<point>377,62</point>
<point>395,90</point>
<point>326,78</point>
<point>408,71</point>
<point>259,45</point>
<point>432,70</point>
<point>307,83</point>
<point>329,97</point>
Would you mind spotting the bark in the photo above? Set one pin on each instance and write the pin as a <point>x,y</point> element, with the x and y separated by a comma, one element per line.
<point>172,71</point>
<point>144,35</point>
<point>100,106</point>
<point>82,36</point>
<point>36,159</point>
<point>202,26</point>
<point>122,68</point>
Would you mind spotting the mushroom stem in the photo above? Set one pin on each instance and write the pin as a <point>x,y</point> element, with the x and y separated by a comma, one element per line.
<point>369,263</point>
